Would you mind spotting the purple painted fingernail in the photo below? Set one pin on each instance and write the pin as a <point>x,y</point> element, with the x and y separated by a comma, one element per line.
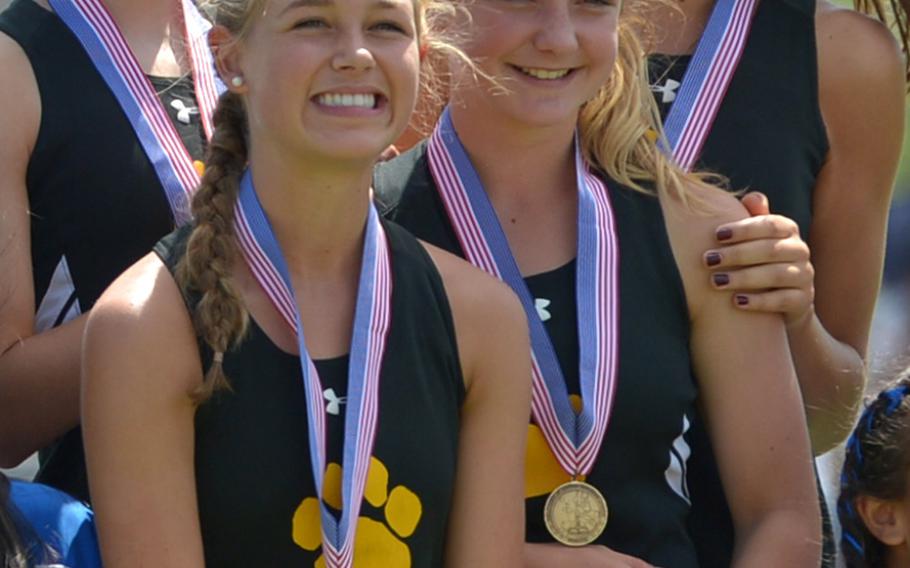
<point>712,258</point>
<point>721,279</point>
<point>724,234</point>
<point>742,300</point>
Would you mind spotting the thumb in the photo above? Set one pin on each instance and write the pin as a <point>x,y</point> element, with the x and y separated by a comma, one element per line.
<point>756,203</point>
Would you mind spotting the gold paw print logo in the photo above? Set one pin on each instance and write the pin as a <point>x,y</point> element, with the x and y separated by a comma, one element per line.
<point>378,543</point>
<point>543,473</point>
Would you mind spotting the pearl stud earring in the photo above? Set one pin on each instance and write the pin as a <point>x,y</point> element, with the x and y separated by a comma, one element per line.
<point>237,81</point>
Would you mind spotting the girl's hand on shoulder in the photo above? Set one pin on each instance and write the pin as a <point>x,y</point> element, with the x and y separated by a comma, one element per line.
<point>594,556</point>
<point>765,262</point>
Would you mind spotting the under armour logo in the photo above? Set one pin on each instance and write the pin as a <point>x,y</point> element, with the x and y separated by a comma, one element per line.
<point>541,305</point>
<point>667,90</point>
<point>333,402</point>
<point>183,112</point>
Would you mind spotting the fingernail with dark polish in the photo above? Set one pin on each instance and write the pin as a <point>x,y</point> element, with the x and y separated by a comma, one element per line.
<point>721,279</point>
<point>724,234</point>
<point>712,258</point>
<point>742,300</point>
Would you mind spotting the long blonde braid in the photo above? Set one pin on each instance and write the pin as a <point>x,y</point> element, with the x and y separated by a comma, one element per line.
<point>220,318</point>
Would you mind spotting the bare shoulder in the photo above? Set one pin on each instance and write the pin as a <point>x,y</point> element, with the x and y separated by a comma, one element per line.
<point>708,207</point>
<point>692,231</point>
<point>471,290</point>
<point>142,319</point>
<point>485,310</point>
<point>856,50</point>
<point>143,287</point>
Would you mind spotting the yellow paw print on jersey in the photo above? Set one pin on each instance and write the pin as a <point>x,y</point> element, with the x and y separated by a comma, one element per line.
<point>543,473</point>
<point>377,544</point>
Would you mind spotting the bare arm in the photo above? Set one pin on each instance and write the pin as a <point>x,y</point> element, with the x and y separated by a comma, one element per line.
<point>862,98</point>
<point>36,371</point>
<point>752,405</point>
<point>140,363</point>
<point>541,555</point>
<point>828,301</point>
<point>486,526</point>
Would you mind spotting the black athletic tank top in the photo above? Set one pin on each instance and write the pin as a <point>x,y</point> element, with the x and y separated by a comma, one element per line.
<point>641,468</point>
<point>96,203</point>
<point>768,136</point>
<point>257,500</point>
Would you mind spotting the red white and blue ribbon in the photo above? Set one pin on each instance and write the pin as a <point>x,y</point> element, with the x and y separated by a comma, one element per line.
<point>206,80</point>
<point>575,438</point>
<point>707,78</point>
<point>372,317</point>
<point>93,26</point>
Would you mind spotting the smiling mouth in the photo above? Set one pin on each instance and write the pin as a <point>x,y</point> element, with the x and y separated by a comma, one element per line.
<point>543,74</point>
<point>349,100</point>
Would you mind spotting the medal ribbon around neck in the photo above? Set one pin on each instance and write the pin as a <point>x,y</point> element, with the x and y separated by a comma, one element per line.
<point>206,80</point>
<point>371,324</point>
<point>105,45</point>
<point>575,438</point>
<point>706,80</point>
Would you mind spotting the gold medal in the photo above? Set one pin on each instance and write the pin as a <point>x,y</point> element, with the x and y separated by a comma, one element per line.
<point>575,513</point>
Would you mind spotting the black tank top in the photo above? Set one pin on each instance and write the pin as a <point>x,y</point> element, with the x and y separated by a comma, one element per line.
<point>96,203</point>
<point>768,136</point>
<point>641,467</point>
<point>256,494</point>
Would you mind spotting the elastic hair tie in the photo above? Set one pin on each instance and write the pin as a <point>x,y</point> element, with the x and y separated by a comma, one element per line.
<point>218,358</point>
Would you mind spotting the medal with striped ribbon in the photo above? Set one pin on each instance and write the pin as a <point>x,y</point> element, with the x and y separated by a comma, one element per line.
<point>93,26</point>
<point>707,78</point>
<point>574,438</point>
<point>371,324</point>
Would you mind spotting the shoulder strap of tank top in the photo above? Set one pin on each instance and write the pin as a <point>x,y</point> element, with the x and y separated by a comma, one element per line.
<point>20,20</point>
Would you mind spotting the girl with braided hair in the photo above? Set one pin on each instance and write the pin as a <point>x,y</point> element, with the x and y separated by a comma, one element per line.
<point>873,505</point>
<point>289,380</point>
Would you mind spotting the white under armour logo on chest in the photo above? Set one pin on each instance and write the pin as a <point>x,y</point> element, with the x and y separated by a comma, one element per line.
<point>667,90</point>
<point>333,402</point>
<point>183,112</point>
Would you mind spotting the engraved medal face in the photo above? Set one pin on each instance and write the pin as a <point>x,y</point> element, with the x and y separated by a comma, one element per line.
<point>575,513</point>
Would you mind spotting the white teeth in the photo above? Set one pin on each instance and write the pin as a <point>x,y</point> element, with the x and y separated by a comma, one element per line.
<point>546,74</point>
<point>348,100</point>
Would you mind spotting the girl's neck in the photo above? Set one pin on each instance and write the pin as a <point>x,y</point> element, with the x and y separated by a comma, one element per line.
<point>154,31</point>
<point>529,175</point>
<point>516,162</point>
<point>678,28</point>
<point>318,213</point>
